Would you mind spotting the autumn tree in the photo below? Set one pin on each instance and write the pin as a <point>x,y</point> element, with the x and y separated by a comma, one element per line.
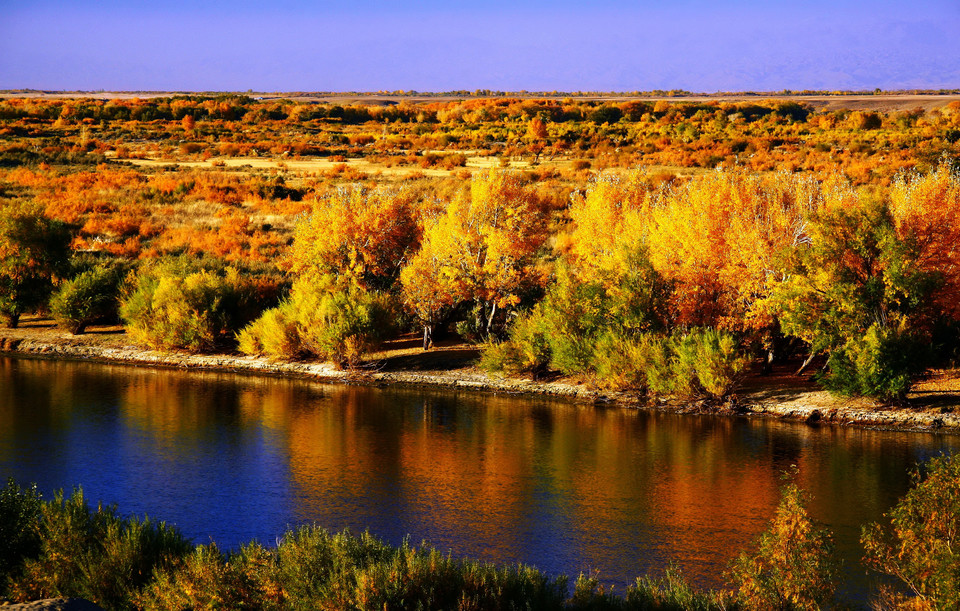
<point>361,234</point>
<point>919,548</point>
<point>537,137</point>
<point>34,250</point>
<point>482,250</point>
<point>719,238</point>
<point>856,292</point>
<point>794,566</point>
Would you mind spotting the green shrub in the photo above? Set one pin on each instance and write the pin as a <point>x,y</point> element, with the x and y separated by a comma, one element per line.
<point>19,519</point>
<point>94,554</point>
<point>794,565</point>
<point>621,361</point>
<point>707,363</point>
<point>329,319</point>
<point>86,298</point>
<point>526,350</point>
<point>206,579</point>
<point>34,251</point>
<point>882,363</point>
<point>173,305</point>
<point>920,547</point>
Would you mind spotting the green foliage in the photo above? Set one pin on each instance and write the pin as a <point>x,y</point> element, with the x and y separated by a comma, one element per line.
<point>86,298</point>
<point>206,579</point>
<point>793,566</point>
<point>94,554</point>
<point>707,363</point>
<point>672,593</point>
<point>527,348</point>
<point>920,546</point>
<point>327,317</point>
<point>858,294</point>
<point>173,305</point>
<point>34,250</point>
<point>881,363</point>
<point>19,515</point>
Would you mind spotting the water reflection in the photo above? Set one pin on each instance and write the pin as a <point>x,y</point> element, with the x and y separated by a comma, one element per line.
<point>562,486</point>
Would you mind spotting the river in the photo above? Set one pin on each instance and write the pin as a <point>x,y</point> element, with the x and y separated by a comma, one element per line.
<point>563,486</point>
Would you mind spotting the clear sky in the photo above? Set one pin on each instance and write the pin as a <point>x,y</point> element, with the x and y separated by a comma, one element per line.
<point>428,45</point>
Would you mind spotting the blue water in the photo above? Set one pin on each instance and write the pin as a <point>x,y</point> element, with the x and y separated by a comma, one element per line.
<point>562,486</point>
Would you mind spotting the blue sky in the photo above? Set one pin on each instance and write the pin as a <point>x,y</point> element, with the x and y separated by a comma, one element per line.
<point>427,45</point>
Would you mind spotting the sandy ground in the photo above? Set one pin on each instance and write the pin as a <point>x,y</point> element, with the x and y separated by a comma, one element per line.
<point>934,403</point>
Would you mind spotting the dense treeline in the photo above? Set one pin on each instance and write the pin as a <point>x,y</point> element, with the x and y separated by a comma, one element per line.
<point>64,547</point>
<point>665,287</point>
<point>655,280</point>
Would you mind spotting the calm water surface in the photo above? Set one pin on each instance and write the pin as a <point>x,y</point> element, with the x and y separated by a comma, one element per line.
<point>564,487</point>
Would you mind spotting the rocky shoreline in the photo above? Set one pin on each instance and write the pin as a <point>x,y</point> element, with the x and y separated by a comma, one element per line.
<point>936,411</point>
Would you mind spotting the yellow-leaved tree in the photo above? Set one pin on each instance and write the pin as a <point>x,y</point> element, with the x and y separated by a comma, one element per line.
<point>482,249</point>
<point>358,234</point>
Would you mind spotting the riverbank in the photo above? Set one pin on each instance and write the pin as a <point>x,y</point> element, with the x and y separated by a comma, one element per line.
<point>934,404</point>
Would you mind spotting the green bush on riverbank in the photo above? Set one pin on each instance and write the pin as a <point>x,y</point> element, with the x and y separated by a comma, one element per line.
<point>66,548</point>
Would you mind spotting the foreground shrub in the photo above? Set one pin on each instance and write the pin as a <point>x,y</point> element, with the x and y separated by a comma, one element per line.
<point>90,296</point>
<point>94,554</point>
<point>19,538</point>
<point>920,547</point>
<point>328,318</point>
<point>672,593</point>
<point>206,579</point>
<point>793,566</point>
<point>312,569</point>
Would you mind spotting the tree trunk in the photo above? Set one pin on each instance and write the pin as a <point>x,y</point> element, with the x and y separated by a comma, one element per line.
<point>493,312</point>
<point>12,320</point>
<point>806,363</point>
<point>768,363</point>
<point>427,336</point>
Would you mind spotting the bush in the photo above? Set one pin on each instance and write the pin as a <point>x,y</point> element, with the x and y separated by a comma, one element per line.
<point>91,296</point>
<point>526,350</point>
<point>620,361</point>
<point>707,363</point>
<point>882,363</point>
<point>173,305</point>
<point>794,565</point>
<point>94,554</point>
<point>19,518</point>
<point>206,579</point>
<point>920,548</point>
<point>327,318</point>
